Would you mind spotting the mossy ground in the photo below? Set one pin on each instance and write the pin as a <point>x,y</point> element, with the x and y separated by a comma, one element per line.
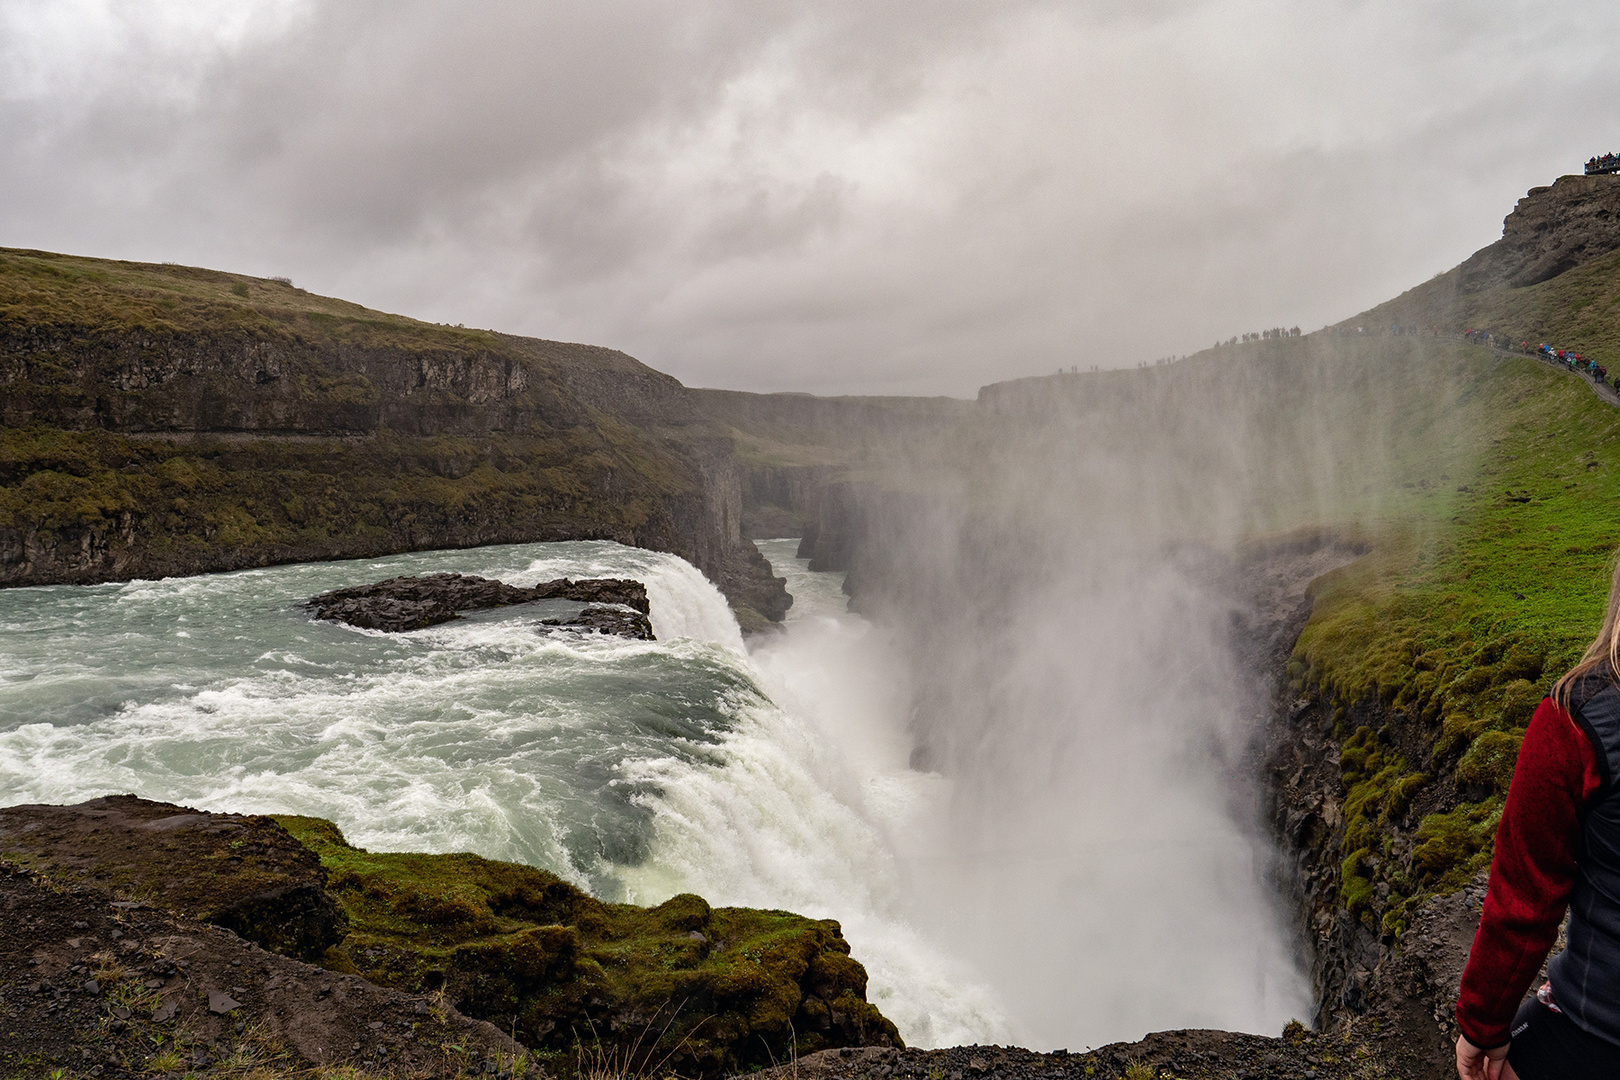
<point>678,987</point>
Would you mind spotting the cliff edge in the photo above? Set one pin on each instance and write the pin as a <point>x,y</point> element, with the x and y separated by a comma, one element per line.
<point>162,420</point>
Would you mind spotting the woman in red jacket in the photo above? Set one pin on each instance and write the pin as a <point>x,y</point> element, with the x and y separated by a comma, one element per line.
<point>1557,849</point>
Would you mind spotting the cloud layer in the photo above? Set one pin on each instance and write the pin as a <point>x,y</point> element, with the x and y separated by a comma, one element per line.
<point>849,196</point>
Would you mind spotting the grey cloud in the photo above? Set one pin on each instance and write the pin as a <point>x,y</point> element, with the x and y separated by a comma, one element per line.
<point>839,197</point>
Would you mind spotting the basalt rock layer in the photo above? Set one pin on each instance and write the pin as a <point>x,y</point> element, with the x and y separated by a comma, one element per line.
<point>1171,1055</point>
<point>1552,229</point>
<point>413,603</point>
<point>162,420</point>
<point>605,620</point>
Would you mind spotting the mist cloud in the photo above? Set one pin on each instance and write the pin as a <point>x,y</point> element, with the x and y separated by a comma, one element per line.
<point>841,197</point>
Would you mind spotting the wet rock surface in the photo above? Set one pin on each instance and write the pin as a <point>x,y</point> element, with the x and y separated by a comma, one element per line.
<point>1164,1055</point>
<point>92,985</point>
<point>413,603</point>
<point>1400,990</point>
<point>1406,986</point>
<point>238,871</point>
<point>605,620</point>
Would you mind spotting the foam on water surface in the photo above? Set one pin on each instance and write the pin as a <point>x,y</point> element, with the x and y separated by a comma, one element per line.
<point>636,769</point>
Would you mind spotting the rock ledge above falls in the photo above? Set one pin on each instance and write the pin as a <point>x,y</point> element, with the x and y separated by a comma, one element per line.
<point>416,956</point>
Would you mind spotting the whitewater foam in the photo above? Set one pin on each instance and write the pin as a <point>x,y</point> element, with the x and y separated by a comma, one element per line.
<point>636,769</point>
<point>776,775</point>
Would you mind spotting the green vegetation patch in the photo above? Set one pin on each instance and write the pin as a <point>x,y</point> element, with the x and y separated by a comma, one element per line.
<point>1579,309</point>
<point>1460,620</point>
<point>176,505</point>
<point>680,987</point>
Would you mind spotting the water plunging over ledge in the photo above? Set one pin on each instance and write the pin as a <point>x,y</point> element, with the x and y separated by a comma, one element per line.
<point>779,776</point>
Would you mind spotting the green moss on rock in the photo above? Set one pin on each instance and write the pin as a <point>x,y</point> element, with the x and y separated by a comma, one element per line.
<point>1490,759</point>
<point>681,987</point>
<point>1453,846</point>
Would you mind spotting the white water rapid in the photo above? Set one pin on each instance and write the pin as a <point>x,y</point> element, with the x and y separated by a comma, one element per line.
<point>636,769</point>
<point>1078,906</point>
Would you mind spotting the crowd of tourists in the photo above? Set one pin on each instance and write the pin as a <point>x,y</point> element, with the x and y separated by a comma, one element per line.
<point>1571,359</point>
<point>1608,163</point>
<point>1262,335</point>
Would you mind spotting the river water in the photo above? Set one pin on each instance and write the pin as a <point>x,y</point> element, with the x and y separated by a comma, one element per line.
<point>776,778</point>
<point>1076,880</point>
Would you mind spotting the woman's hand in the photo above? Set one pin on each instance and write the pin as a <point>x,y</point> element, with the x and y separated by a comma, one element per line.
<point>1476,1064</point>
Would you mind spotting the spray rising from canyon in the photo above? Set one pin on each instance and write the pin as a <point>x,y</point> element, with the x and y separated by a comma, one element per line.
<point>1074,578</point>
<point>1022,782</point>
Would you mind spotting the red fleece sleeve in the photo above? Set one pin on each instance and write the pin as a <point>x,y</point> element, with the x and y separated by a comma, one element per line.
<point>1532,873</point>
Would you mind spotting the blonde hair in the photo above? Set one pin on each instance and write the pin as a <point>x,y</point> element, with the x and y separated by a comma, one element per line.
<point>1604,652</point>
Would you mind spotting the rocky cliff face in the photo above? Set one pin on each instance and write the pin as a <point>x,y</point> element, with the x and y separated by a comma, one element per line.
<point>1570,223</point>
<point>1407,983</point>
<point>166,420</point>
<point>1552,229</point>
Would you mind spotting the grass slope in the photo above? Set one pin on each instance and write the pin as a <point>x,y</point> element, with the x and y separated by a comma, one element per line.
<point>1462,617</point>
<point>45,289</point>
<point>1579,309</point>
<point>1465,614</point>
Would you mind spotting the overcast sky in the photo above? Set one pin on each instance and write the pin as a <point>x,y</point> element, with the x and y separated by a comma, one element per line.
<point>847,196</point>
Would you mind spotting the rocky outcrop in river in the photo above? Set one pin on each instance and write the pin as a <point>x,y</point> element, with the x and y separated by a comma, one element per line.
<point>414,603</point>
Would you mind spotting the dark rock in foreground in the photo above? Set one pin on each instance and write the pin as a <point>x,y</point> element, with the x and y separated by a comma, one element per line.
<point>106,902</point>
<point>413,603</point>
<point>606,620</point>
<point>238,871</point>
<point>93,985</point>
<point>1164,1055</point>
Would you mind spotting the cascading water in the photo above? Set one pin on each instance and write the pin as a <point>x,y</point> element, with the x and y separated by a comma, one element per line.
<point>1074,880</point>
<point>636,769</point>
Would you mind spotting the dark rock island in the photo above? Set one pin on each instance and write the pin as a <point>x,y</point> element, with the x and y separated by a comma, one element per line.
<point>413,603</point>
